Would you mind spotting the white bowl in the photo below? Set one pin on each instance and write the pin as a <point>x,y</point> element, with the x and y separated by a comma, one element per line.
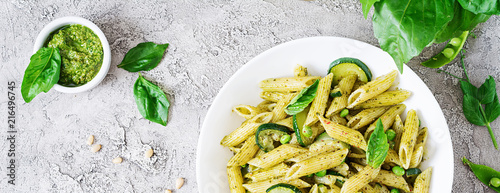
<point>106,60</point>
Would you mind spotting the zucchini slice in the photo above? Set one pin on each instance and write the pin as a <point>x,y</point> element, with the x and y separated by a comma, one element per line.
<point>323,137</point>
<point>267,134</point>
<point>298,126</point>
<point>343,67</point>
<point>283,188</point>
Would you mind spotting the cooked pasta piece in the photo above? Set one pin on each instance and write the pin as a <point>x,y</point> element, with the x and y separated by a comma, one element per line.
<point>235,179</point>
<point>262,186</point>
<point>299,71</point>
<point>388,178</point>
<point>315,164</point>
<point>338,103</point>
<point>418,152</point>
<point>387,98</point>
<point>343,133</point>
<point>264,174</point>
<point>397,126</point>
<point>371,89</point>
<point>342,169</point>
<point>392,157</point>
<point>246,153</point>
<point>318,105</point>
<point>246,111</point>
<point>368,189</point>
<point>266,106</point>
<point>338,119</point>
<point>319,147</point>
<point>423,181</point>
<point>408,139</point>
<point>360,179</point>
<point>387,119</point>
<point>366,117</point>
<point>287,122</point>
<point>272,95</point>
<point>277,155</point>
<point>287,84</point>
<point>381,188</point>
<point>329,180</point>
<point>279,110</point>
<point>249,127</point>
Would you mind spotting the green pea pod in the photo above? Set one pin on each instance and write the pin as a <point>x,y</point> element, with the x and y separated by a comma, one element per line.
<point>302,100</point>
<point>151,101</point>
<point>483,173</point>
<point>449,52</point>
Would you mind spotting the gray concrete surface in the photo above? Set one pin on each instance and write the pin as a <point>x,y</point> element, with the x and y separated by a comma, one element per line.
<point>209,40</point>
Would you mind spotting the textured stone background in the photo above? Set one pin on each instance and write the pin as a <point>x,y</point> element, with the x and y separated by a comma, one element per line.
<point>210,40</point>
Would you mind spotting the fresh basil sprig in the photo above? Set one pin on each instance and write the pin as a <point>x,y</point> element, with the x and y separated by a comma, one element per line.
<point>151,101</point>
<point>377,146</point>
<point>42,73</point>
<point>143,57</point>
<point>302,100</point>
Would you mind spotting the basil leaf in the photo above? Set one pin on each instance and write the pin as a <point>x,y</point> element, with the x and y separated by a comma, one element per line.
<point>487,91</point>
<point>366,5</point>
<point>471,110</point>
<point>151,101</point>
<point>463,20</point>
<point>143,57</point>
<point>490,7</point>
<point>302,100</point>
<point>492,110</point>
<point>377,146</point>
<point>468,88</point>
<point>404,27</point>
<point>42,73</point>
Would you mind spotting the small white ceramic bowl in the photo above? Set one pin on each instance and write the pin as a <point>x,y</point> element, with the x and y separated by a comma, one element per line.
<point>106,60</point>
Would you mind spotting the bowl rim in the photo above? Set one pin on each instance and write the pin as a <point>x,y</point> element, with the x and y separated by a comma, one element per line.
<point>106,60</point>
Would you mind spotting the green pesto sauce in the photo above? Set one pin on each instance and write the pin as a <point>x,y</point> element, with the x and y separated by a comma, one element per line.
<point>81,52</point>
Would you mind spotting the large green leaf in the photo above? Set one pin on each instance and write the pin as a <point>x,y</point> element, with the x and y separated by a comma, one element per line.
<point>302,100</point>
<point>405,27</point>
<point>463,20</point>
<point>472,111</point>
<point>143,57</point>
<point>492,110</point>
<point>366,5</point>
<point>151,101</point>
<point>490,7</point>
<point>42,73</point>
<point>377,146</point>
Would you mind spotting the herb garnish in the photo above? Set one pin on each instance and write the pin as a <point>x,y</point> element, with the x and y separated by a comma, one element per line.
<point>151,101</point>
<point>377,146</point>
<point>302,100</point>
<point>480,105</point>
<point>42,73</point>
<point>143,57</point>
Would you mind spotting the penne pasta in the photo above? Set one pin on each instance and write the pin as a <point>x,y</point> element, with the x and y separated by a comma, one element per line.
<point>366,117</point>
<point>246,152</point>
<point>272,95</point>
<point>343,133</point>
<point>408,139</point>
<point>423,181</point>
<point>387,119</point>
<point>318,105</point>
<point>388,178</point>
<point>279,110</point>
<point>299,71</point>
<point>315,164</point>
<point>288,84</point>
<point>387,98</point>
<point>338,103</point>
<point>397,126</point>
<point>360,179</point>
<point>262,186</point>
<point>371,89</point>
<point>418,152</point>
<point>277,156</point>
<point>246,111</point>
<point>235,179</point>
<point>264,174</point>
<point>246,129</point>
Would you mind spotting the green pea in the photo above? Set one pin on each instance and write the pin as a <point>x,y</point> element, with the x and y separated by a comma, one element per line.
<point>320,173</point>
<point>495,182</point>
<point>448,52</point>
<point>285,139</point>
<point>455,41</point>
<point>398,170</point>
<point>394,190</point>
<point>344,112</point>
<point>391,134</point>
<point>244,166</point>
<point>307,131</point>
